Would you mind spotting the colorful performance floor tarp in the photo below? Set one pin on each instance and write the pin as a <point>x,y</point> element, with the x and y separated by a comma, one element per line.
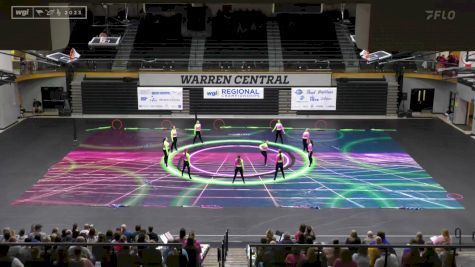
<point>352,169</point>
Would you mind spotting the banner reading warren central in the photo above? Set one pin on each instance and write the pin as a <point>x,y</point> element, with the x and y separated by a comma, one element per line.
<point>233,92</point>
<point>235,79</point>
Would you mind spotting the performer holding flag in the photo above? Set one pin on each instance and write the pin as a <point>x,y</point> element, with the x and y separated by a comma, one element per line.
<point>186,162</point>
<point>310,152</point>
<point>166,146</point>
<point>279,164</point>
<point>279,130</point>
<point>305,139</point>
<point>197,130</point>
<point>174,138</point>
<point>239,167</point>
<point>263,147</point>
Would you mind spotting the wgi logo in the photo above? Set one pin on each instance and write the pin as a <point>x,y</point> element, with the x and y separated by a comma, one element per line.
<point>440,14</point>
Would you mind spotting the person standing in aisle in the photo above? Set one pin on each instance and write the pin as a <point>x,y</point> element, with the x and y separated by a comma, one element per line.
<point>305,139</point>
<point>239,167</point>
<point>310,152</point>
<point>263,147</point>
<point>197,130</point>
<point>174,137</point>
<point>279,164</point>
<point>166,146</point>
<point>279,131</point>
<point>186,162</point>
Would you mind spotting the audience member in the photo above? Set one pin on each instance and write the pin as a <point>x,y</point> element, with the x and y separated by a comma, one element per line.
<point>361,257</point>
<point>295,258</point>
<point>77,260</point>
<point>314,259</point>
<point>354,240</point>
<point>344,260</point>
<point>430,257</point>
<point>369,237</point>
<point>392,260</point>
<point>419,238</point>
<point>85,230</point>
<point>6,260</point>
<point>151,256</point>
<point>269,236</point>
<point>193,255</point>
<point>300,232</point>
<point>373,253</point>
<point>85,253</point>
<point>126,258</point>
<point>153,236</point>
<point>286,239</point>
<point>332,253</point>
<point>182,236</point>
<point>309,235</point>
<point>411,256</point>
<point>197,245</point>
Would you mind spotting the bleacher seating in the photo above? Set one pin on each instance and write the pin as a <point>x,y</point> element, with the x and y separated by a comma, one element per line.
<point>309,41</point>
<point>159,42</point>
<point>239,41</point>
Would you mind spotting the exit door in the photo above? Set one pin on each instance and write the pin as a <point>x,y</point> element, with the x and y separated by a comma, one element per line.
<point>422,99</point>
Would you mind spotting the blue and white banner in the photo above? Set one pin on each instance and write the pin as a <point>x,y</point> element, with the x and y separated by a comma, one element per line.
<point>233,92</point>
<point>317,98</point>
<point>160,98</point>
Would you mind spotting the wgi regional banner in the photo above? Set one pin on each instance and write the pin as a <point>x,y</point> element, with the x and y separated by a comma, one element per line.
<point>233,92</point>
<point>320,98</point>
<point>160,98</point>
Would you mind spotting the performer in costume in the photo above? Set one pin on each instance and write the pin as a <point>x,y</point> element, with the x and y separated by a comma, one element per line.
<point>279,164</point>
<point>263,147</point>
<point>197,131</point>
<point>310,152</point>
<point>239,167</point>
<point>279,130</point>
<point>305,139</point>
<point>174,138</point>
<point>166,146</point>
<point>186,162</point>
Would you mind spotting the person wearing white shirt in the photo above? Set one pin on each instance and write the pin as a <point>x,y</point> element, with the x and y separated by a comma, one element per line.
<point>392,260</point>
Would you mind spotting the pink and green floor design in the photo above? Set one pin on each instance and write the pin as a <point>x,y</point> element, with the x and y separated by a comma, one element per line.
<point>352,169</point>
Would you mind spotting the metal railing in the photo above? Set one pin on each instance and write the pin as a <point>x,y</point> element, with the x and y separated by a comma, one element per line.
<point>223,250</point>
<point>228,64</point>
<point>451,249</point>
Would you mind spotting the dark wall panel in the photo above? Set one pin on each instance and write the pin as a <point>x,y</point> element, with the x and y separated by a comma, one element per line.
<point>358,97</point>
<point>269,105</point>
<point>112,96</point>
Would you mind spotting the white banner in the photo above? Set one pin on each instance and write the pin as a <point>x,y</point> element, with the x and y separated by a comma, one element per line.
<point>318,98</point>
<point>233,92</point>
<point>235,79</point>
<point>160,98</point>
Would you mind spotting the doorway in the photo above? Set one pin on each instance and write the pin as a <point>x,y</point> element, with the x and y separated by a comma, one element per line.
<point>422,100</point>
<point>470,109</point>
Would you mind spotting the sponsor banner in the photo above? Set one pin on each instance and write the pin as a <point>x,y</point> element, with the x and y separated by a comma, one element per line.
<point>236,79</point>
<point>233,92</point>
<point>160,98</point>
<point>318,98</point>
